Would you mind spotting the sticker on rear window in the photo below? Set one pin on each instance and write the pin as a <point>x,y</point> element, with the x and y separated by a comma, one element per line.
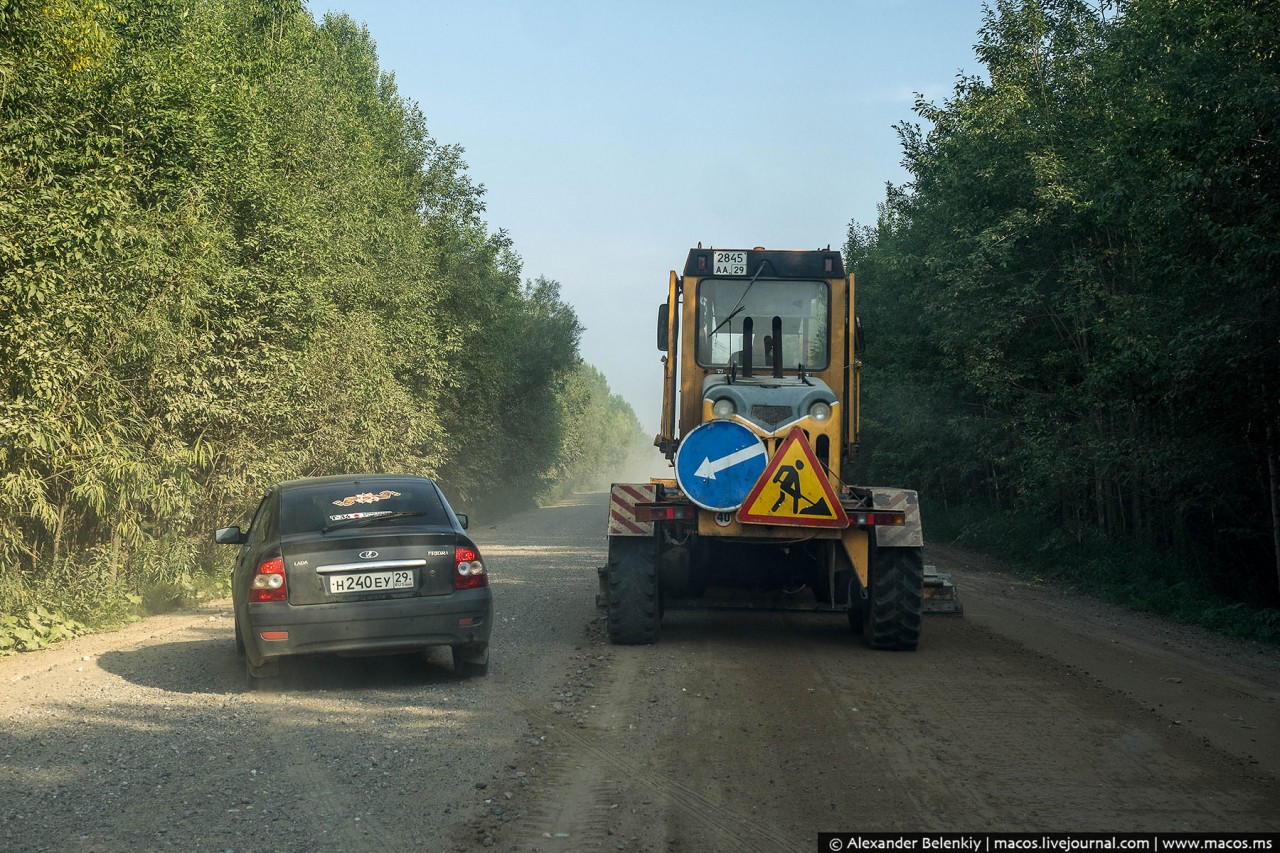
<point>350,515</point>
<point>367,498</point>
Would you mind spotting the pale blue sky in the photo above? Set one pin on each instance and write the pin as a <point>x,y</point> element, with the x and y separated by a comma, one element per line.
<point>613,137</point>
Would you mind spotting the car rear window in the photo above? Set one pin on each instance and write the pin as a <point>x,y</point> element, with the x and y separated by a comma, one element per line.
<point>309,508</point>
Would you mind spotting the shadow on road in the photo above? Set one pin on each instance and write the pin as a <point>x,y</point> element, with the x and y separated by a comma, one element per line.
<point>750,628</point>
<point>211,665</point>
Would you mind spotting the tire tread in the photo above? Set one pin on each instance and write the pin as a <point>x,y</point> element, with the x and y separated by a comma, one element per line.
<point>893,619</point>
<point>634,612</point>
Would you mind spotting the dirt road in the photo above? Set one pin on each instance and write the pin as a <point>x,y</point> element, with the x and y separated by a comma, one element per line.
<point>755,731</point>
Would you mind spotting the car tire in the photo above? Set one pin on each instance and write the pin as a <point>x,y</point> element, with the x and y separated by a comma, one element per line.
<point>470,661</point>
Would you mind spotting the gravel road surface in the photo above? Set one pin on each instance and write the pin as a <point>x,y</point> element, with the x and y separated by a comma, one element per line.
<point>737,732</point>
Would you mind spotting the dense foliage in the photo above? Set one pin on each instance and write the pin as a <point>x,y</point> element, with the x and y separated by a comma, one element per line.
<point>230,252</point>
<point>1074,303</point>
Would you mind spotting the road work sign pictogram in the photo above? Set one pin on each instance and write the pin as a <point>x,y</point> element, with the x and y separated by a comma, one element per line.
<point>717,464</point>
<point>793,490</point>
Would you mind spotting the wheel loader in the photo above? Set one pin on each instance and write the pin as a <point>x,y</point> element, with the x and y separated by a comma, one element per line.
<point>760,417</point>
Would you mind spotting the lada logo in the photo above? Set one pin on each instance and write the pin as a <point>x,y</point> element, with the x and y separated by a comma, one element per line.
<point>368,555</point>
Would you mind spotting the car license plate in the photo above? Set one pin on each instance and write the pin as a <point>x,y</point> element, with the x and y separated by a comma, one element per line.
<point>371,581</point>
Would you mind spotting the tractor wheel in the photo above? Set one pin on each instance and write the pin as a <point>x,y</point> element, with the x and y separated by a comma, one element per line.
<point>856,616</point>
<point>635,607</point>
<point>893,615</point>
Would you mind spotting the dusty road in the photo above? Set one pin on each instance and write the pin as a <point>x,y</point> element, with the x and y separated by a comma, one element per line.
<point>737,732</point>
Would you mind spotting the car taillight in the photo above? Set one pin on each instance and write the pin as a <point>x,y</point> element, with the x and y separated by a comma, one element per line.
<point>268,582</point>
<point>468,569</point>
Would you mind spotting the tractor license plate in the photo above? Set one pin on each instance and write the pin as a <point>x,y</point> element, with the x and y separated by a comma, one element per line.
<point>371,581</point>
<point>730,263</point>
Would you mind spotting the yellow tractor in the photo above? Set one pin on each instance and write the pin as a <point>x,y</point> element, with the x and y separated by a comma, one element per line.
<point>760,419</point>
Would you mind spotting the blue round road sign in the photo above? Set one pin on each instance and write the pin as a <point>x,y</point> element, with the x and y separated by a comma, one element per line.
<point>718,463</point>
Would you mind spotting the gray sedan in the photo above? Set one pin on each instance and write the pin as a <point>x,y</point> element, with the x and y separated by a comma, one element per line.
<point>358,564</point>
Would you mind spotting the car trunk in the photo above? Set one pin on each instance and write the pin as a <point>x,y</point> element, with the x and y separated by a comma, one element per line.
<point>359,565</point>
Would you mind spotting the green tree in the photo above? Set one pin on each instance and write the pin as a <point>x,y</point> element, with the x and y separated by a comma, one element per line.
<point>1083,271</point>
<point>231,253</point>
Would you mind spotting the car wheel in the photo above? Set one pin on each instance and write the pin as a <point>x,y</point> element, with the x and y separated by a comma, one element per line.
<point>471,661</point>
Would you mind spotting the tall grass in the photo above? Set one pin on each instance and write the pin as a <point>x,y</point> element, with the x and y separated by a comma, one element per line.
<point>88,592</point>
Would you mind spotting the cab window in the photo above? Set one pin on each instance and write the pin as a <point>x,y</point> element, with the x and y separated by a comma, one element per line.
<point>802,307</point>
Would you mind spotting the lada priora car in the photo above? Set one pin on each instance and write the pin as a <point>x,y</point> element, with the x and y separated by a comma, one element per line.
<point>358,565</point>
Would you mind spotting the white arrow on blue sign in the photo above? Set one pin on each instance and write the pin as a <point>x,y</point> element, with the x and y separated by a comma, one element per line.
<point>718,463</point>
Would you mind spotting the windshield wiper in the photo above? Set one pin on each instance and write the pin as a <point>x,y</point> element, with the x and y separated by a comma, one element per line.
<point>373,519</point>
<point>737,309</point>
<point>734,313</point>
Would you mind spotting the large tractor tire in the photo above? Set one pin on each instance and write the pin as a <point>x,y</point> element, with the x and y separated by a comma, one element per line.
<point>894,608</point>
<point>635,606</point>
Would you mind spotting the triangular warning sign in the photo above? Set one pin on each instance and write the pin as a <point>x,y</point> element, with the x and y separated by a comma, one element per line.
<point>793,490</point>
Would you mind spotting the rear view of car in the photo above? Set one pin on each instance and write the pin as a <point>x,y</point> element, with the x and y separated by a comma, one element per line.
<point>358,565</point>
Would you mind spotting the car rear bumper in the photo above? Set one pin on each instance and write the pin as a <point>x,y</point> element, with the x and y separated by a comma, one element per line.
<point>463,618</point>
